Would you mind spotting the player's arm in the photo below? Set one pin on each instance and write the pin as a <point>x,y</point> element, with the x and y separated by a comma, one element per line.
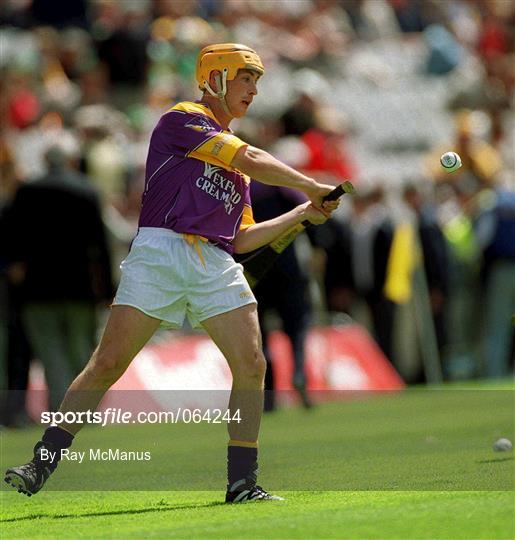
<point>261,234</point>
<point>262,166</point>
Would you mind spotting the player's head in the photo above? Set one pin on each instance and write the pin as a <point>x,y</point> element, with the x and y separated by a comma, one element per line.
<point>227,60</point>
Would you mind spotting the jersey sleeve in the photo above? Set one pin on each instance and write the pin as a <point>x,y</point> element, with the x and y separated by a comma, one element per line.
<point>222,147</point>
<point>190,133</point>
<point>247,219</point>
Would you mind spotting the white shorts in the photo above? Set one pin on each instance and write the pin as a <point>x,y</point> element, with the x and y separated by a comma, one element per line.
<point>168,278</point>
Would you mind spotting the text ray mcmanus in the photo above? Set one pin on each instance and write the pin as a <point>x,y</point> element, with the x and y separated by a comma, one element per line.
<point>94,454</point>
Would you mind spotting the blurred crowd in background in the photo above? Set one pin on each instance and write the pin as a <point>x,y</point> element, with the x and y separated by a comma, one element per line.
<point>368,90</point>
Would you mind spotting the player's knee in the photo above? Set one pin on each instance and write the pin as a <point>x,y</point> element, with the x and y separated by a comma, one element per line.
<point>258,367</point>
<point>252,367</point>
<point>106,367</point>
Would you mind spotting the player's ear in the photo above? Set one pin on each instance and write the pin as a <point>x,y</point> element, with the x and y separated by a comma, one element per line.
<point>213,80</point>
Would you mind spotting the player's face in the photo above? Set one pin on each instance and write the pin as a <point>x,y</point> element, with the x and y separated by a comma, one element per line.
<point>241,91</point>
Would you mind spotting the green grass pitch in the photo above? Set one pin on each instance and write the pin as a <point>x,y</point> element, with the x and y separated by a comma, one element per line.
<point>418,464</point>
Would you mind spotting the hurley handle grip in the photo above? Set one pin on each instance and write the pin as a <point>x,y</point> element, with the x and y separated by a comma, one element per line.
<point>334,195</point>
<point>338,191</point>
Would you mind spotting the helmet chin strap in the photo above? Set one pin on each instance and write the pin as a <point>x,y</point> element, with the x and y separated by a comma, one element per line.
<point>221,82</point>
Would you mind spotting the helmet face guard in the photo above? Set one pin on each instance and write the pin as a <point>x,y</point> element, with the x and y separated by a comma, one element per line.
<point>227,58</point>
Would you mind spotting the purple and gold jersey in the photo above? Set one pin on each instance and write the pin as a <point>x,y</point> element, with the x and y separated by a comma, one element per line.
<point>190,186</point>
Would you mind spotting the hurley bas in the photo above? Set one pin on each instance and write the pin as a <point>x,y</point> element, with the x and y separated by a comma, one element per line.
<point>94,454</point>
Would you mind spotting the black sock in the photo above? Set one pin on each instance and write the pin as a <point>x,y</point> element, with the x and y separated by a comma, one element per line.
<point>241,464</point>
<point>54,439</point>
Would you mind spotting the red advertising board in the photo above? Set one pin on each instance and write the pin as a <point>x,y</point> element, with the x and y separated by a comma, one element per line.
<point>337,358</point>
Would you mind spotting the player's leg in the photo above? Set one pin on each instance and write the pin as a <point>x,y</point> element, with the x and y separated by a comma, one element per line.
<point>243,351</point>
<point>126,332</point>
<point>244,354</point>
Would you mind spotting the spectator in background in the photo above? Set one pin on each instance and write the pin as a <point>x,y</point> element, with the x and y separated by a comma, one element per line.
<point>58,257</point>
<point>444,52</point>
<point>103,129</point>
<point>413,15</point>
<point>328,155</point>
<point>463,319</point>
<point>60,15</point>
<point>124,27</point>
<point>284,290</point>
<point>323,130</point>
<point>357,253</point>
<point>478,156</point>
<point>494,226</point>
<point>299,117</point>
<point>435,258</point>
<point>332,241</point>
<point>494,39</point>
<point>15,354</point>
<point>372,19</point>
<point>370,242</point>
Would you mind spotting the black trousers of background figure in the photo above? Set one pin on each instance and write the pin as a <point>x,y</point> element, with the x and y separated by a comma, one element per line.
<point>289,299</point>
<point>382,312</point>
<point>19,355</point>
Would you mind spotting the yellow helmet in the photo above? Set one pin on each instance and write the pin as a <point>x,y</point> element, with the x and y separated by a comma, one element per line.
<point>227,58</point>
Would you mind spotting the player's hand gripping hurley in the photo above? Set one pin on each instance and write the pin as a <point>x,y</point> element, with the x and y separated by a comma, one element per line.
<point>257,264</point>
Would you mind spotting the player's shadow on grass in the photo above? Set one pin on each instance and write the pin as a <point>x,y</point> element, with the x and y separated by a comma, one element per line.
<point>496,460</point>
<point>161,508</point>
